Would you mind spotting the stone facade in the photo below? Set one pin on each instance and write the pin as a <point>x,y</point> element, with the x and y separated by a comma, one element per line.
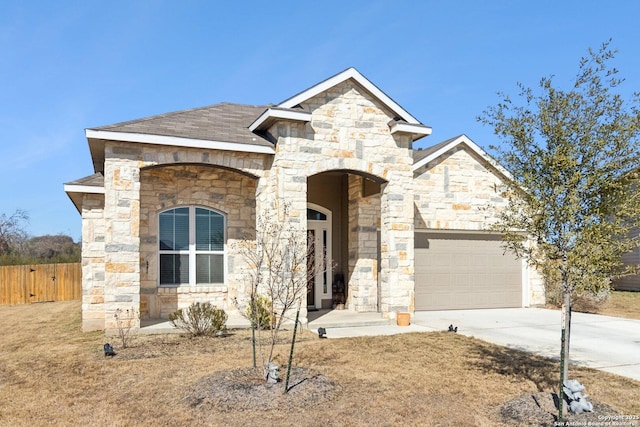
<point>123,219</point>
<point>364,220</point>
<point>230,193</point>
<point>349,130</point>
<point>93,258</point>
<point>122,236</point>
<point>459,191</point>
<point>345,133</point>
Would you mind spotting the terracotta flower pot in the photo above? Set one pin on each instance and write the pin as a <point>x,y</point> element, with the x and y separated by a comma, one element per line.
<point>403,319</point>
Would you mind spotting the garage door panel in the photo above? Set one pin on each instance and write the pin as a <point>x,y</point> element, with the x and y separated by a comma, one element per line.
<point>461,272</point>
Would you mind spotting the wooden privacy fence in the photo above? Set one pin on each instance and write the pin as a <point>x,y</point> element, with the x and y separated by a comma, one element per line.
<point>24,284</point>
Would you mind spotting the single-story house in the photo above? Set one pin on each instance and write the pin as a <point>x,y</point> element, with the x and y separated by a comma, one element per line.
<point>407,228</point>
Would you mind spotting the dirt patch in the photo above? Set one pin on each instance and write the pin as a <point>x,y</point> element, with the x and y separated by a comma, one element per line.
<point>540,409</point>
<point>244,389</point>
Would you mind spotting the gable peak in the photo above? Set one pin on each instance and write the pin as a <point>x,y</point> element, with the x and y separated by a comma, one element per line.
<point>355,75</point>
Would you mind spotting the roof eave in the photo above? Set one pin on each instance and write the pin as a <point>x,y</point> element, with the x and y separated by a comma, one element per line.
<point>416,131</point>
<point>75,193</point>
<point>272,115</point>
<point>176,141</point>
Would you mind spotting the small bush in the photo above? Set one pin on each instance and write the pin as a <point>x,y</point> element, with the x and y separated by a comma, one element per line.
<point>581,300</point>
<point>262,318</point>
<point>199,319</point>
<point>589,302</point>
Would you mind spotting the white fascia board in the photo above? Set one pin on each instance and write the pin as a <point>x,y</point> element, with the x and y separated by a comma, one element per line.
<point>278,113</point>
<point>89,189</point>
<point>176,141</point>
<point>473,146</point>
<point>350,73</point>
<point>411,128</point>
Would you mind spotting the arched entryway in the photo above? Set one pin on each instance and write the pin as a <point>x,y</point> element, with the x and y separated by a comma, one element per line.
<point>353,201</point>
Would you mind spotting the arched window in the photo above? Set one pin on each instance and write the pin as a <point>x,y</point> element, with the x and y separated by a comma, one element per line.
<point>191,246</point>
<point>314,215</point>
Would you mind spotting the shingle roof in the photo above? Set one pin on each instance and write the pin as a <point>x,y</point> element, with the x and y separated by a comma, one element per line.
<point>422,153</point>
<point>95,180</point>
<point>75,189</point>
<point>224,122</point>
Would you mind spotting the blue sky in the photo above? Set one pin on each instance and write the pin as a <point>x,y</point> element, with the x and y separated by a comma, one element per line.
<point>70,65</point>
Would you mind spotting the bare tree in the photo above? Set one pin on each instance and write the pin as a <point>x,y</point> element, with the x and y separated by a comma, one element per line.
<point>278,264</point>
<point>12,231</point>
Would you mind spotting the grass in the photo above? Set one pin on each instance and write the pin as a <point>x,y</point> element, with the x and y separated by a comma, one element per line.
<point>621,304</point>
<point>618,304</point>
<point>51,373</point>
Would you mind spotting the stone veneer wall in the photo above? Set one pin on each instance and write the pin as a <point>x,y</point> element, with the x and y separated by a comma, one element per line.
<point>122,237</point>
<point>228,192</point>
<point>457,192</point>
<point>93,232</point>
<point>364,214</point>
<point>122,216</point>
<point>349,131</point>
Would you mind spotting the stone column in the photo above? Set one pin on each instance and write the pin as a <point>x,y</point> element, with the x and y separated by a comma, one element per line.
<point>397,251</point>
<point>122,237</point>
<point>363,244</point>
<point>93,262</point>
<point>285,185</point>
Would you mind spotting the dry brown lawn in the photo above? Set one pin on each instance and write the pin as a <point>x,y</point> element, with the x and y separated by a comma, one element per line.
<point>621,304</point>
<point>52,374</point>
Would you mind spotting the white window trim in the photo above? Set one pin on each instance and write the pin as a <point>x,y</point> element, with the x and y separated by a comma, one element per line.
<point>192,252</point>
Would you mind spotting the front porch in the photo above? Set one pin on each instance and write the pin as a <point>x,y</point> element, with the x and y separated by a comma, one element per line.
<point>316,319</point>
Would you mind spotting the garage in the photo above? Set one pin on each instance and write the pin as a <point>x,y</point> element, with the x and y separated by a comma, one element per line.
<point>465,271</point>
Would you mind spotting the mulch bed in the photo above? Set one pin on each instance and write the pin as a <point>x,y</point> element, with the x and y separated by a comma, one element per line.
<point>540,409</point>
<point>245,389</point>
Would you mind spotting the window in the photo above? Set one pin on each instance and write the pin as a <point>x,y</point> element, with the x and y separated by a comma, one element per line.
<point>191,246</point>
<point>314,215</point>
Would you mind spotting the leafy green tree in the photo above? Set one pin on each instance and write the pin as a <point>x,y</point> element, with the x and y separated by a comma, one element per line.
<point>573,155</point>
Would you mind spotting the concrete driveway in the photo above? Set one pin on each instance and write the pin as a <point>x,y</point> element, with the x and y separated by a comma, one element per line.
<point>607,343</point>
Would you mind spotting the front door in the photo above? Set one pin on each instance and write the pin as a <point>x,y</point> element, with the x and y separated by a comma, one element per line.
<point>319,263</point>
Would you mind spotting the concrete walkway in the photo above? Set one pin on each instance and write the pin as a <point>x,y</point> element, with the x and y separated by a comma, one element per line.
<point>610,344</point>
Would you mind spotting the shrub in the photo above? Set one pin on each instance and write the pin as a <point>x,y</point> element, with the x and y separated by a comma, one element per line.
<point>262,318</point>
<point>586,302</point>
<point>199,319</point>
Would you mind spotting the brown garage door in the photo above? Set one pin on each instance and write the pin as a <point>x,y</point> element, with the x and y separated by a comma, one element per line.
<point>461,271</point>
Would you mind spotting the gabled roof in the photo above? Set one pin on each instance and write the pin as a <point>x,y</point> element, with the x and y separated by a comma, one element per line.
<point>427,155</point>
<point>424,152</point>
<point>350,73</point>
<point>403,122</point>
<point>232,127</point>
<point>92,184</point>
